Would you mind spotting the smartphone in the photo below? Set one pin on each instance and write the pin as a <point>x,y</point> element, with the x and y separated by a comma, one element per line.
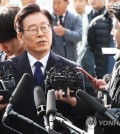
<point>90,77</point>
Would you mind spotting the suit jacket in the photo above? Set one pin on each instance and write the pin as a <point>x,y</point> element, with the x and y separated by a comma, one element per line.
<point>66,45</point>
<point>25,104</point>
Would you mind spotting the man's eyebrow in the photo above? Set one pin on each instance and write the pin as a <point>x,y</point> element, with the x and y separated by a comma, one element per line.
<point>39,24</point>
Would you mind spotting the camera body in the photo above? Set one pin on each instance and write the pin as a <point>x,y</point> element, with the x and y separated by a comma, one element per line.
<point>63,78</point>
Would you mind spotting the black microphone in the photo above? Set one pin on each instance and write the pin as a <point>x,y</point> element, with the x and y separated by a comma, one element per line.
<point>10,112</point>
<point>97,106</point>
<point>17,94</point>
<point>22,85</point>
<point>40,103</point>
<point>51,107</point>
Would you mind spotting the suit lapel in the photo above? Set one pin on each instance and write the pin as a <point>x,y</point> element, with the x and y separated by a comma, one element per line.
<point>52,61</point>
<point>21,65</point>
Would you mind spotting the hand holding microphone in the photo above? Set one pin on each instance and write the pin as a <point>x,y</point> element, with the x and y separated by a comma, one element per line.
<point>67,98</point>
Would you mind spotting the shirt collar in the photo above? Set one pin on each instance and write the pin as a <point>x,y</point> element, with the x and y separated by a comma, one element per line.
<point>32,60</point>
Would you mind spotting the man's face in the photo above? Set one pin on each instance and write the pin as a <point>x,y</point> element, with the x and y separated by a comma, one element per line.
<point>116,32</point>
<point>79,6</point>
<point>37,44</point>
<point>59,7</point>
<point>10,47</point>
<point>96,4</point>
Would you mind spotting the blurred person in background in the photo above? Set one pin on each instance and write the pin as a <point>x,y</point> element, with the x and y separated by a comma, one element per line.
<point>10,46</point>
<point>67,30</point>
<point>98,37</point>
<point>15,3</point>
<point>83,51</point>
<point>25,2</point>
<point>88,61</point>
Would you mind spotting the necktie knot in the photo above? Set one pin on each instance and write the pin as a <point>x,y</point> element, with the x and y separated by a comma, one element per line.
<point>38,64</point>
<point>60,17</point>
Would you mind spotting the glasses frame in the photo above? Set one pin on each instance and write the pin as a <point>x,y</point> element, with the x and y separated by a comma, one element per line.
<point>37,29</point>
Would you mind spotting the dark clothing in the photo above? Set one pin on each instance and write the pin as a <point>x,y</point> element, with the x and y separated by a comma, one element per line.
<point>25,105</point>
<point>99,36</point>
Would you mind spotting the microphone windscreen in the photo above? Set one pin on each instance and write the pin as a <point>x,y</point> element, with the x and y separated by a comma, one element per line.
<point>39,97</point>
<point>20,89</point>
<point>91,101</point>
<point>51,103</point>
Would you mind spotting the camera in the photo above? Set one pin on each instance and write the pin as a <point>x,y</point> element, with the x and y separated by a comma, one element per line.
<point>63,78</point>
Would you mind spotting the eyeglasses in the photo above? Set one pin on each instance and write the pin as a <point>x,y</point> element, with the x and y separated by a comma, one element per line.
<point>33,30</point>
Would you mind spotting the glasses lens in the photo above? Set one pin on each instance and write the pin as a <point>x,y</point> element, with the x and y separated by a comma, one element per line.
<point>33,30</point>
<point>45,28</point>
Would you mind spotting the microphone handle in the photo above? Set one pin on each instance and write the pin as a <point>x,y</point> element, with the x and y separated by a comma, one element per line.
<point>46,123</point>
<point>51,120</point>
<point>69,125</point>
<point>15,114</point>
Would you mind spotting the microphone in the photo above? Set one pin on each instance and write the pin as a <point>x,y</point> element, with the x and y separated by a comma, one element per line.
<point>18,93</point>
<point>10,112</point>
<point>97,106</point>
<point>40,103</point>
<point>15,98</point>
<point>51,107</point>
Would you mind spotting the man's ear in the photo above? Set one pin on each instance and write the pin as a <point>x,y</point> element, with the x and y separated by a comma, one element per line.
<point>20,37</point>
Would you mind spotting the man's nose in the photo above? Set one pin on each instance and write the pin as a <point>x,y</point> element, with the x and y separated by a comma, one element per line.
<point>40,32</point>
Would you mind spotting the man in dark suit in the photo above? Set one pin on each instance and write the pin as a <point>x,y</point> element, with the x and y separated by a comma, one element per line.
<point>33,27</point>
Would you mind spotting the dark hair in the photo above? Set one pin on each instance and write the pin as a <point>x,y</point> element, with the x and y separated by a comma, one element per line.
<point>115,9</point>
<point>27,10</point>
<point>7,16</point>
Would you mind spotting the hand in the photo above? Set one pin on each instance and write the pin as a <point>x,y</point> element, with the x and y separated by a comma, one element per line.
<point>59,29</point>
<point>68,99</point>
<point>99,84</point>
<point>2,106</point>
<point>1,97</point>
